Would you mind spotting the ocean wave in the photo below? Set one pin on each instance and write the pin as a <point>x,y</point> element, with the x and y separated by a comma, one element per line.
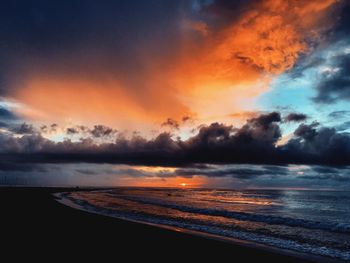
<point>230,233</point>
<point>268,219</point>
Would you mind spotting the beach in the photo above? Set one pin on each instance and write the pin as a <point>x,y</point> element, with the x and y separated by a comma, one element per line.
<point>33,222</point>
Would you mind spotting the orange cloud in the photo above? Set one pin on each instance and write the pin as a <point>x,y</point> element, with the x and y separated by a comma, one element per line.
<point>269,38</point>
<point>220,72</point>
<point>234,64</point>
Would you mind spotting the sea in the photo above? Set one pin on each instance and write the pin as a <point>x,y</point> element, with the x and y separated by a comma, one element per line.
<point>306,221</point>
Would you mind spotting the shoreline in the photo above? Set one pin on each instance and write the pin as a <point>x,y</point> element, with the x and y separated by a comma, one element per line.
<point>34,220</point>
<point>229,240</point>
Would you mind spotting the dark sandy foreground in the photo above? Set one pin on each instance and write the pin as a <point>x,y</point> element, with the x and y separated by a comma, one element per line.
<point>35,225</point>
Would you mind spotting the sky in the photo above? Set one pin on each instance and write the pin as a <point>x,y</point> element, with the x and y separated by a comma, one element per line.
<point>198,93</point>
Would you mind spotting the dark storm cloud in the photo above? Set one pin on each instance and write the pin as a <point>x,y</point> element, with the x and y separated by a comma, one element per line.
<point>14,167</point>
<point>254,142</point>
<point>307,131</point>
<point>296,117</point>
<point>24,128</point>
<point>244,173</point>
<point>319,145</point>
<point>98,131</point>
<point>102,131</point>
<point>220,143</point>
<point>266,120</point>
<point>78,129</point>
<point>335,85</point>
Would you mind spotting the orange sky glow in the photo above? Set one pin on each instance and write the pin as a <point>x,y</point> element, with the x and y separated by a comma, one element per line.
<point>233,64</point>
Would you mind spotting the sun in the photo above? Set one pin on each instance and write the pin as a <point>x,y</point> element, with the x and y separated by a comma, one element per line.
<point>183,184</point>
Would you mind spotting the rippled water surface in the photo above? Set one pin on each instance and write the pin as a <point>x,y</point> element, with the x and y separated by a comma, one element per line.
<point>316,222</point>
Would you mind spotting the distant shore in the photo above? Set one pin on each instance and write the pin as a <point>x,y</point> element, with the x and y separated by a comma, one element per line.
<point>33,221</point>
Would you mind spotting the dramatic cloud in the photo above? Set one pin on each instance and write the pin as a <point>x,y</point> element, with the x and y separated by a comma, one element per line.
<point>307,132</point>
<point>102,131</point>
<point>97,62</point>
<point>239,172</point>
<point>335,84</point>
<point>323,145</point>
<point>98,131</point>
<point>296,117</point>
<point>254,142</point>
<point>188,85</point>
<point>277,31</point>
<point>24,128</point>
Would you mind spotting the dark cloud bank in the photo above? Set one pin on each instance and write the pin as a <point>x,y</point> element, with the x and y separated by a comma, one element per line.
<point>335,86</point>
<point>255,143</point>
<point>297,117</point>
